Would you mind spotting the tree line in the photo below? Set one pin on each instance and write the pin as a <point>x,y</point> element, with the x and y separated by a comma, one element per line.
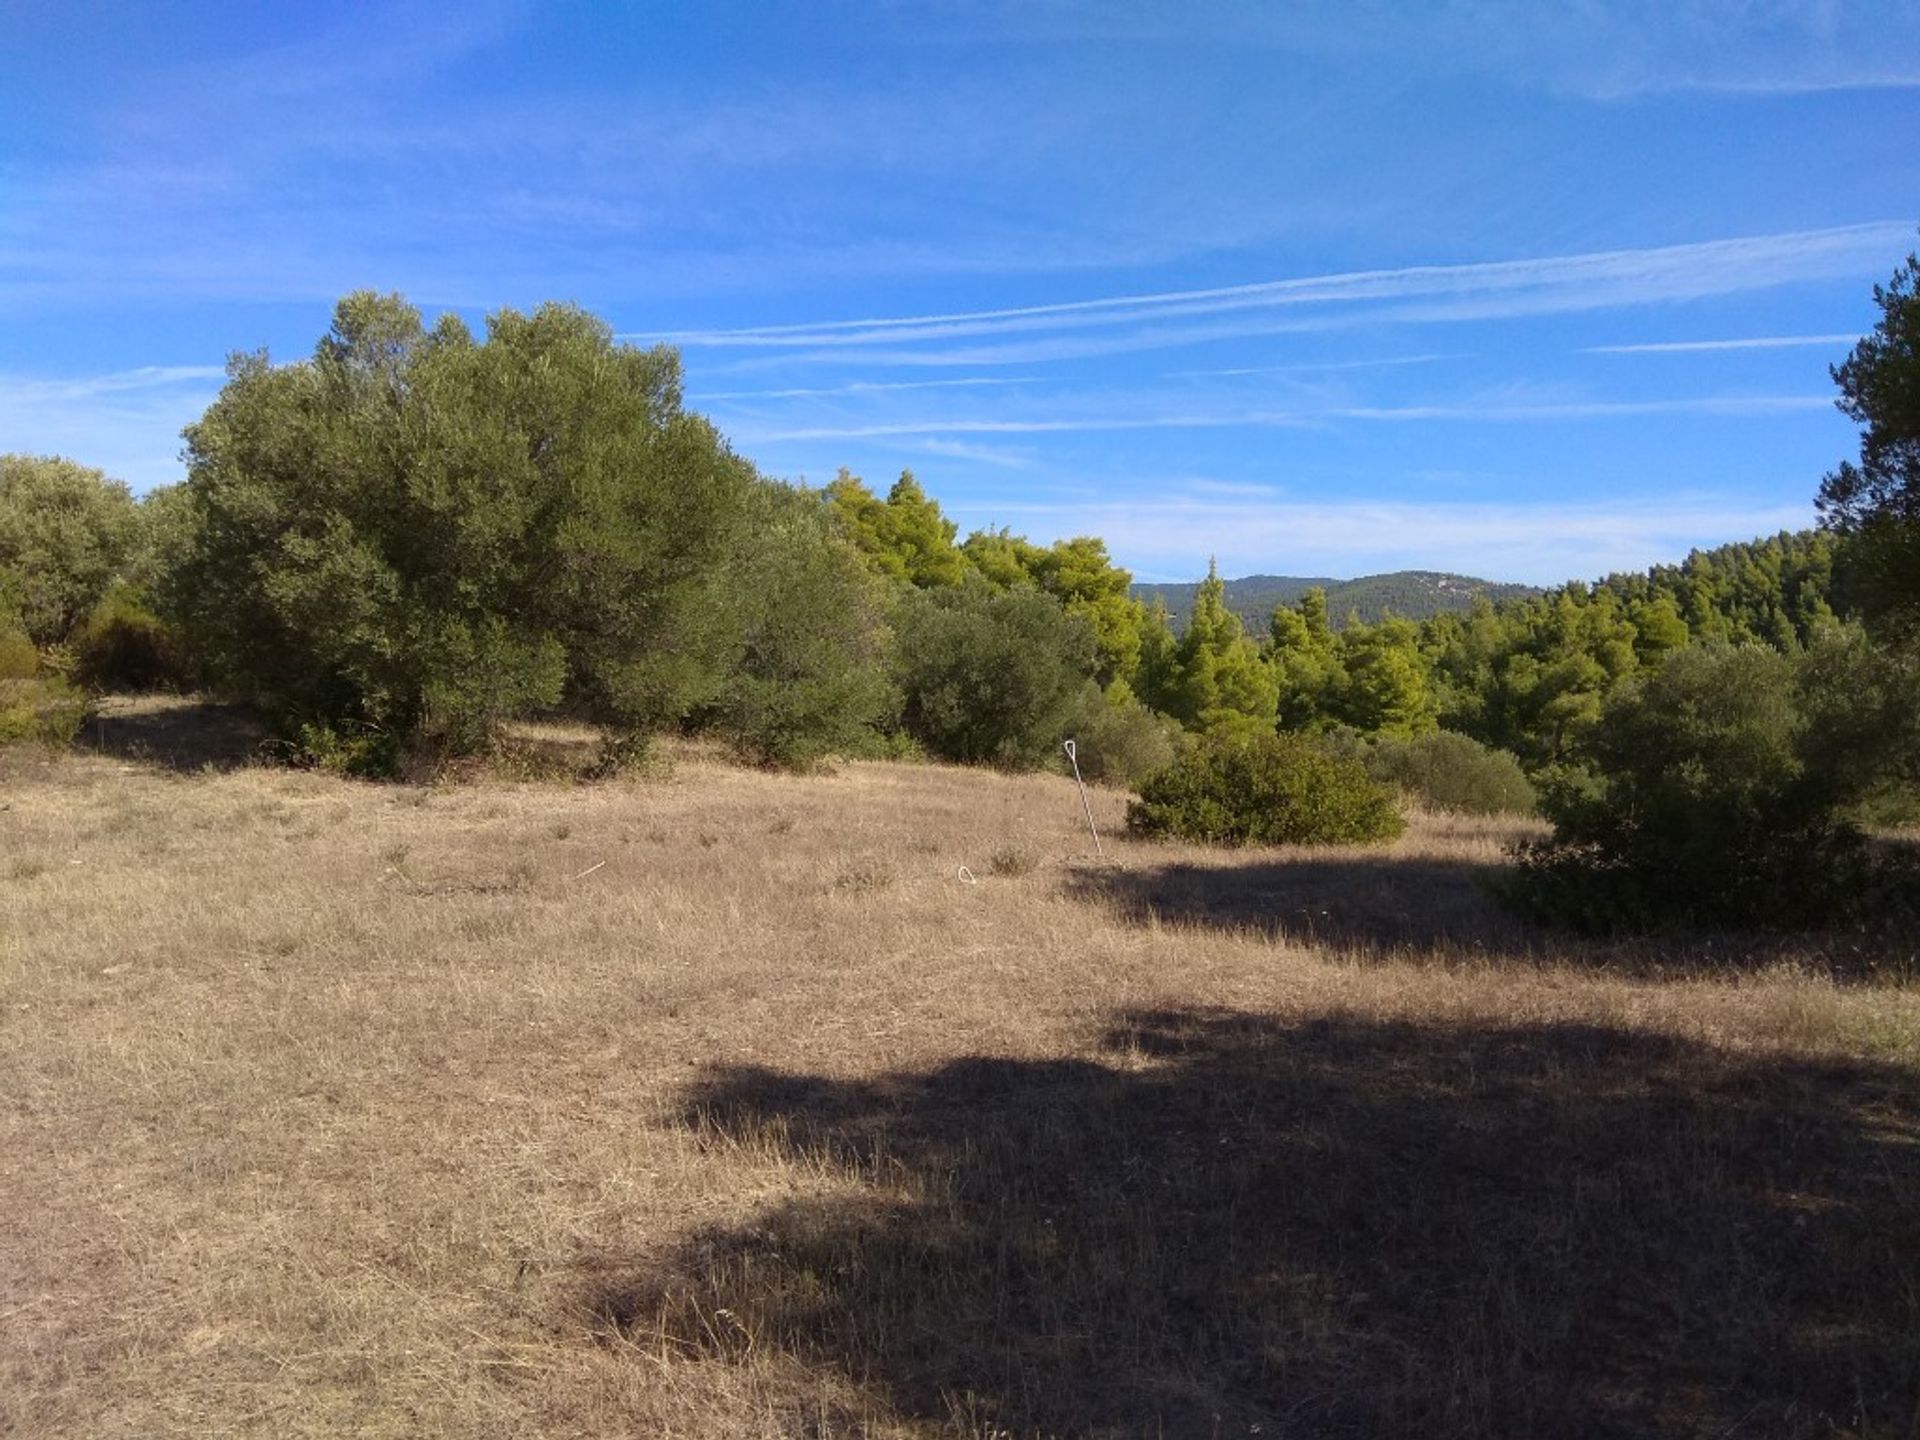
<point>398,545</point>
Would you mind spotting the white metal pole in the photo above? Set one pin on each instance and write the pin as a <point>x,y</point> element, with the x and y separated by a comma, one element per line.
<point>1073,759</point>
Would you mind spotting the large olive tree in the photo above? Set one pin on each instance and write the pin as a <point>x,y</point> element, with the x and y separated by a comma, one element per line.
<point>428,532</point>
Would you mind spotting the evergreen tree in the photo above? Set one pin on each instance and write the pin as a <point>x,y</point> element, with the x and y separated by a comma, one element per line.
<point>1876,503</point>
<point>904,537</point>
<point>1386,690</point>
<point>1219,679</point>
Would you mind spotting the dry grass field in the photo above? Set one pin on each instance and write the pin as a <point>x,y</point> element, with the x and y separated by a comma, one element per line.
<point>711,1103</point>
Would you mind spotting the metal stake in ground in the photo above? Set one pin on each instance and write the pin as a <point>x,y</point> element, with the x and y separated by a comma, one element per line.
<point>1073,759</point>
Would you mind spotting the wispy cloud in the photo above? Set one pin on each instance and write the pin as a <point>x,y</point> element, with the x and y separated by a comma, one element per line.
<point>1320,367</point>
<point>25,391</point>
<point>1001,457</point>
<point>865,387</point>
<point>1756,342</point>
<point>1487,412</point>
<point>128,422</point>
<point>1554,283</point>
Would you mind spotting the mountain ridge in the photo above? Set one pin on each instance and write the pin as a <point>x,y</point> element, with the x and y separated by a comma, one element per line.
<point>1409,594</point>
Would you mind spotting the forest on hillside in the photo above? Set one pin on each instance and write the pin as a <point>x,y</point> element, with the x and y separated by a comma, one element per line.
<point>1409,594</point>
<point>397,545</point>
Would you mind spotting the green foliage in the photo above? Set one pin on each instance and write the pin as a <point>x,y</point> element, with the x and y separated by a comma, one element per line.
<point>123,645</point>
<point>1120,741</point>
<point>44,711</point>
<point>808,676</point>
<point>1444,771</point>
<point>19,660</point>
<point>1308,672</point>
<point>361,751</point>
<point>1877,502</point>
<point>1082,577</point>
<point>991,677</point>
<point>35,708</point>
<point>1385,689</point>
<point>1217,679</point>
<point>905,537</point>
<point>1718,796</point>
<point>66,533</point>
<point>1264,789</point>
<point>426,535</point>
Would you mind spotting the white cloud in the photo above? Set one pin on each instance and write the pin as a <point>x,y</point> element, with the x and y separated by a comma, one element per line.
<point>1536,286</point>
<point>127,422</point>
<point>1482,412</point>
<point>1756,342</point>
<point>864,387</point>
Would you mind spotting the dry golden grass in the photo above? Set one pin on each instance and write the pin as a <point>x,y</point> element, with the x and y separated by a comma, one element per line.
<point>718,1103</point>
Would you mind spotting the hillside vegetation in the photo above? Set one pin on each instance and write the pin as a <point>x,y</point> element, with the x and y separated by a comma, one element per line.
<point>1410,594</point>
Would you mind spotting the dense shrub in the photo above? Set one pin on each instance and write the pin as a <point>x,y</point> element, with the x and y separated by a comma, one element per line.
<point>807,677</point>
<point>1237,788</point>
<point>123,645</point>
<point>993,678</point>
<point>1119,741</point>
<point>1445,771</point>
<point>19,660</point>
<point>35,707</point>
<point>1717,797</point>
<point>66,533</point>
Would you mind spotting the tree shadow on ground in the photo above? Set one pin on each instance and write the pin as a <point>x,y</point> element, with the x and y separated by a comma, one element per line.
<point>182,734</point>
<point>1387,906</point>
<point>1224,1224</point>
<point>1367,903</point>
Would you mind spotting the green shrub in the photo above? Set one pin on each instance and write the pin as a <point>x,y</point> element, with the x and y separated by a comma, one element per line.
<point>122,645</point>
<point>36,707</point>
<point>1264,789</point>
<point>18,658</point>
<point>808,676</point>
<point>40,711</point>
<point>66,531</point>
<point>1717,797</point>
<point>991,678</point>
<point>363,751</point>
<point>1119,741</point>
<point>1445,771</point>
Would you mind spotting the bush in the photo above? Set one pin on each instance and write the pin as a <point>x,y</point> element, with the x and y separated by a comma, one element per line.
<point>991,678</point>
<point>1264,789</point>
<point>66,532</point>
<point>1120,741</point>
<point>1445,771</point>
<point>44,711</point>
<point>1717,797</point>
<point>18,659</point>
<point>362,751</point>
<point>36,708</point>
<point>122,645</point>
<point>808,678</point>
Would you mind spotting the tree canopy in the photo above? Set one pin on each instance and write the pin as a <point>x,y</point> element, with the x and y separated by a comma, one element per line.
<point>1877,502</point>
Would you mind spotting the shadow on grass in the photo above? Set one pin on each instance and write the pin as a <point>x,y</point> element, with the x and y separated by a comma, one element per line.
<point>1434,909</point>
<point>174,733</point>
<point>1366,903</point>
<point>1225,1225</point>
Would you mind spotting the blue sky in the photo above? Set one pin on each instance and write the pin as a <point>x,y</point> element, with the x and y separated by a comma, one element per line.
<point>1530,291</point>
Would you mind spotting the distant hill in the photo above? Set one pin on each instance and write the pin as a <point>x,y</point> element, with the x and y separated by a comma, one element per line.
<point>1410,594</point>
